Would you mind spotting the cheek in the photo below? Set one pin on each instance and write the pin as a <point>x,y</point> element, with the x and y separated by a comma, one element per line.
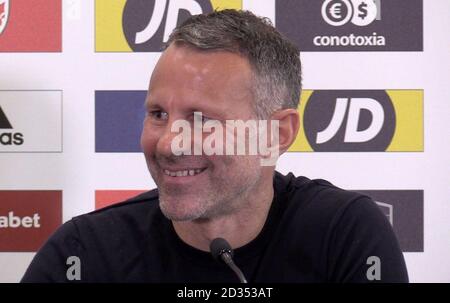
<point>234,164</point>
<point>244,166</point>
<point>149,139</point>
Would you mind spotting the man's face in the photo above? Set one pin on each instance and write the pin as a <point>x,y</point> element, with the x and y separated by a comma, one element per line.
<point>217,84</point>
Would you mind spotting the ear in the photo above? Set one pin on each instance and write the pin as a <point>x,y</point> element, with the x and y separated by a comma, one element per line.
<point>289,124</point>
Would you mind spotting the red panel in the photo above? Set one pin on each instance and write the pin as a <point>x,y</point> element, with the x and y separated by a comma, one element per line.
<point>105,198</point>
<point>28,218</point>
<point>33,26</point>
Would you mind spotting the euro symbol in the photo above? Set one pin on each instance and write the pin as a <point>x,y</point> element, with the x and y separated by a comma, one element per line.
<point>335,10</point>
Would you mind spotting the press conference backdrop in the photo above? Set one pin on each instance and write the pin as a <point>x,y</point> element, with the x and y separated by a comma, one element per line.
<point>375,110</point>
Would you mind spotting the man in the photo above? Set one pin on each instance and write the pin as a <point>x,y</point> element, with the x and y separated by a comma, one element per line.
<point>225,66</point>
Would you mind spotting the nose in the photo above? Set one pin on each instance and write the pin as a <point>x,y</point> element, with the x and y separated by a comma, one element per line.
<point>176,140</point>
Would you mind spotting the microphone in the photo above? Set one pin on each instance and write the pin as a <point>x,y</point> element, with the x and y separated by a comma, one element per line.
<point>221,250</point>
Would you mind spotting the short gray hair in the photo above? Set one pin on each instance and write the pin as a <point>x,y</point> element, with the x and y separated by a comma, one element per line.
<point>274,59</point>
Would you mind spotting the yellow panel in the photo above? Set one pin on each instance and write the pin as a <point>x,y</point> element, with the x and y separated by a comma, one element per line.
<point>301,143</point>
<point>408,134</point>
<point>224,4</point>
<point>109,36</point>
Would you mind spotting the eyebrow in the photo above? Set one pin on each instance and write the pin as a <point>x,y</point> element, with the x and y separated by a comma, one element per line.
<point>208,110</point>
<point>148,102</point>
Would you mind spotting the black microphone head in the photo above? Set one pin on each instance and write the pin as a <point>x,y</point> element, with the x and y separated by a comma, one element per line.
<point>219,246</point>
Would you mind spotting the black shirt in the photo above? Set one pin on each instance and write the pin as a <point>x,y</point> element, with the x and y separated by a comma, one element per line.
<point>314,232</point>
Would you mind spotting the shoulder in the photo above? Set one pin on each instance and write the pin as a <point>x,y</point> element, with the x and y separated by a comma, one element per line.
<point>135,204</point>
<point>319,207</point>
<point>122,222</point>
<point>135,213</point>
<point>318,200</point>
<point>340,229</point>
<point>99,239</point>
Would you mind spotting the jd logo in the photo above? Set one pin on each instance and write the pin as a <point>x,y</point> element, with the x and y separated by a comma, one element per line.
<point>4,14</point>
<point>343,120</point>
<point>147,24</point>
<point>8,138</point>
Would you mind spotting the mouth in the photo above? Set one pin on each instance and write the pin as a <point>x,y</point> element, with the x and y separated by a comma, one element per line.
<point>183,172</point>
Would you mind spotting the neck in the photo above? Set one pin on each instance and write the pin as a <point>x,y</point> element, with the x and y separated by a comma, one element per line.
<point>238,228</point>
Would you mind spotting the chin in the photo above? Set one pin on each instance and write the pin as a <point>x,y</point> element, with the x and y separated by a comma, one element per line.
<point>178,210</point>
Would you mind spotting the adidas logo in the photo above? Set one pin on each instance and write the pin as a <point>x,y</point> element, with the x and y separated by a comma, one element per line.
<point>8,138</point>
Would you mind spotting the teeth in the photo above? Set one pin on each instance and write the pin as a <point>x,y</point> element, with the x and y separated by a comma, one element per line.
<point>182,173</point>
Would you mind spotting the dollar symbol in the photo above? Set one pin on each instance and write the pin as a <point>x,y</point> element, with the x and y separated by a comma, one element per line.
<point>363,10</point>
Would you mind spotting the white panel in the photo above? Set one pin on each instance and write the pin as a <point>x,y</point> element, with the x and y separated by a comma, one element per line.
<point>37,116</point>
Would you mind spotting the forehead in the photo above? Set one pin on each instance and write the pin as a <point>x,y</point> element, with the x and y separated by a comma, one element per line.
<point>187,75</point>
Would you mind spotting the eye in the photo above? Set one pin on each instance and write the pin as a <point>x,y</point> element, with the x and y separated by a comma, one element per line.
<point>158,115</point>
<point>198,115</point>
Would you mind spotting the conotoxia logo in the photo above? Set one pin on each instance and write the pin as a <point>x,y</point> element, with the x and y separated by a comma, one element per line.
<point>30,121</point>
<point>360,121</point>
<point>28,218</point>
<point>359,12</point>
<point>144,25</point>
<point>30,26</point>
<point>352,25</point>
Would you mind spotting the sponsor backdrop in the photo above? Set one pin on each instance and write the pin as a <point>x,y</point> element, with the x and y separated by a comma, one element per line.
<point>374,109</point>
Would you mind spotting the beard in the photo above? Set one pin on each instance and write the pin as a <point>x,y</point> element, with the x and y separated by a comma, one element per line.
<point>222,189</point>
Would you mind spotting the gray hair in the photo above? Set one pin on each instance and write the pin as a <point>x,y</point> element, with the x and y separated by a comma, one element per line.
<point>274,59</point>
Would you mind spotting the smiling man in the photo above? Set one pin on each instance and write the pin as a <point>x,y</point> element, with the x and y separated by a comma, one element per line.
<point>227,195</point>
<point>225,66</point>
